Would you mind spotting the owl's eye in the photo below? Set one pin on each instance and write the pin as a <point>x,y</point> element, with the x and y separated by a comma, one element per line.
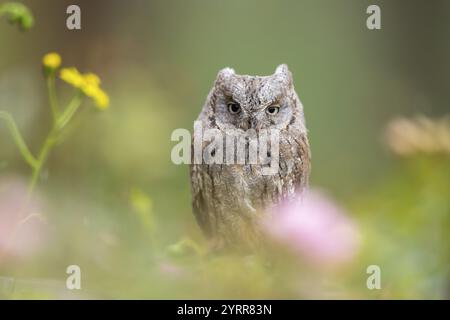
<point>234,107</point>
<point>273,110</point>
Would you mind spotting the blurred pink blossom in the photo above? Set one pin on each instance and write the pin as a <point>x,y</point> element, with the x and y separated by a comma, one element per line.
<point>22,228</point>
<point>315,228</point>
<point>170,268</point>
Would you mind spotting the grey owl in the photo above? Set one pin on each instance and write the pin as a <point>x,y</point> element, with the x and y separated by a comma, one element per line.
<point>229,200</point>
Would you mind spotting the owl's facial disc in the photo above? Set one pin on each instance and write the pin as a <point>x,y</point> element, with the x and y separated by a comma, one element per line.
<point>254,102</point>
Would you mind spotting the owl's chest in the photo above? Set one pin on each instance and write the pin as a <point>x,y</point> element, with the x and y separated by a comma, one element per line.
<point>244,188</point>
<point>247,188</point>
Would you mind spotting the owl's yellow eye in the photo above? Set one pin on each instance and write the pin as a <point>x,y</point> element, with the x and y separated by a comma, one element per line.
<point>273,110</point>
<point>234,107</point>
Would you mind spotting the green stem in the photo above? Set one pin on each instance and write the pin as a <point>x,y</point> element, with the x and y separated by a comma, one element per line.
<point>43,154</point>
<point>71,109</point>
<point>52,95</point>
<point>20,143</point>
<point>58,126</point>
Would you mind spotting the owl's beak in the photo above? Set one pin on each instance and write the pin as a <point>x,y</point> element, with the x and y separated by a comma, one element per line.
<point>249,123</point>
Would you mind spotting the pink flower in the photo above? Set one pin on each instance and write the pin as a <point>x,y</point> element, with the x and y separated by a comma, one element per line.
<point>315,228</point>
<point>21,224</point>
<point>170,268</point>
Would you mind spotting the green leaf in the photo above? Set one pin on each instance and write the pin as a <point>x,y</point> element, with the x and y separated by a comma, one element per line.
<point>143,206</point>
<point>17,13</point>
<point>185,247</point>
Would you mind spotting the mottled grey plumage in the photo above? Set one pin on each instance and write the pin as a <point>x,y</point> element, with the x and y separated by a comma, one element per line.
<point>229,200</point>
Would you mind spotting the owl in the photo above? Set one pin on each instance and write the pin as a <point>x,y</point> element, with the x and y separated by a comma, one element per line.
<point>231,199</point>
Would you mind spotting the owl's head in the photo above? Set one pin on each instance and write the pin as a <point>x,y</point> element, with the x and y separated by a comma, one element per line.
<point>255,102</point>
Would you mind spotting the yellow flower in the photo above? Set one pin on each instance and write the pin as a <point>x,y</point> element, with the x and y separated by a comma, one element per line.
<point>98,95</point>
<point>101,99</point>
<point>88,83</point>
<point>51,61</point>
<point>72,77</point>
<point>92,79</point>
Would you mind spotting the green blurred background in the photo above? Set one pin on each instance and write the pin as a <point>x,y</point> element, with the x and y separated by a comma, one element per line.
<point>158,60</point>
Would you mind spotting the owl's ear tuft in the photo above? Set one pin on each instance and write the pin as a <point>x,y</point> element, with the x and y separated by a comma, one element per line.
<point>225,73</point>
<point>223,79</point>
<point>282,69</point>
<point>282,73</point>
